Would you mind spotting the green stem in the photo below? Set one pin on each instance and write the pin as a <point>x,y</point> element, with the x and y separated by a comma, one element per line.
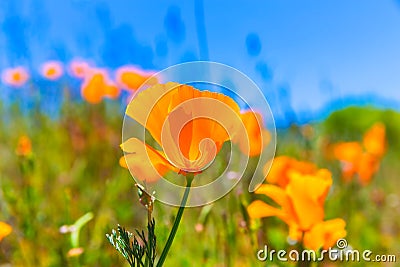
<point>178,218</point>
<point>303,262</point>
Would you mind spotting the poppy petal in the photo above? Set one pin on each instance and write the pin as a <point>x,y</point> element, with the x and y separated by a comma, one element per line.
<point>348,151</point>
<point>276,193</point>
<point>259,209</point>
<point>325,234</point>
<point>144,162</point>
<point>374,140</point>
<point>307,194</point>
<point>5,230</point>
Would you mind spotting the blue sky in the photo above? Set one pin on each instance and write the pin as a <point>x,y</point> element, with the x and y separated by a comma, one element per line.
<point>302,54</point>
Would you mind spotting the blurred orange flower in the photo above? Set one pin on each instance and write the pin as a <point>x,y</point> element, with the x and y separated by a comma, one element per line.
<point>374,140</point>
<point>75,252</point>
<point>97,85</point>
<point>79,68</point>
<point>15,77</point>
<point>350,154</point>
<point>367,167</point>
<point>52,70</point>
<point>325,234</point>
<point>131,78</point>
<point>363,158</point>
<point>174,114</point>
<point>5,230</point>
<point>24,147</point>
<point>257,135</point>
<point>301,208</point>
<point>282,166</point>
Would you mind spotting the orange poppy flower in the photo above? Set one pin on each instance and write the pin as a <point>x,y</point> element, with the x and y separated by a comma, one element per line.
<point>349,153</point>
<point>131,78</point>
<point>52,70</point>
<point>325,234</point>
<point>185,122</point>
<point>79,69</point>
<point>368,165</point>
<point>111,91</point>
<point>282,166</point>
<point>363,158</point>
<point>15,77</point>
<point>301,202</point>
<point>5,230</point>
<point>24,147</point>
<point>375,140</point>
<point>97,85</point>
<point>257,135</point>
